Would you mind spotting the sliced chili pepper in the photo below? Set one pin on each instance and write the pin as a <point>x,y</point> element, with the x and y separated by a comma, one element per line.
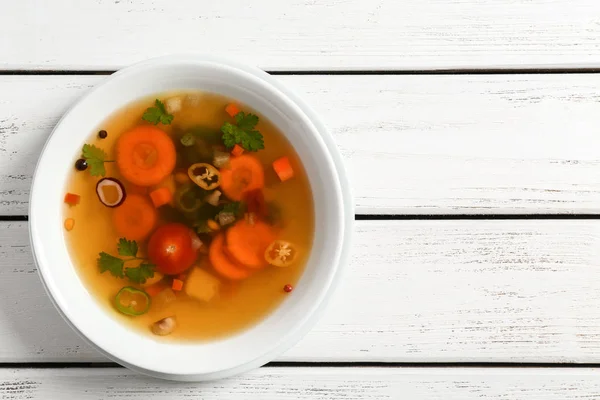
<point>281,253</point>
<point>186,199</point>
<point>205,175</point>
<point>132,301</point>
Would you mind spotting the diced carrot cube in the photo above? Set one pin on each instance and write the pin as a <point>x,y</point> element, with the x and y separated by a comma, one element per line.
<point>161,196</point>
<point>72,199</point>
<point>177,285</point>
<point>232,109</point>
<point>237,150</point>
<point>153,290</point>
<point>69,224</point>
<point>283,169</point>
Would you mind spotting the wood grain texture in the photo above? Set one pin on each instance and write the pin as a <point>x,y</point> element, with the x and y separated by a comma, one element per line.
<point>309,383</point>
<point>415,291</point>
<point>304,34</point>
<point>466,144</point>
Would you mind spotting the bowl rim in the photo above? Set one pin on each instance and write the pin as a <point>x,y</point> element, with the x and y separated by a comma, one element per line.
<point>347,218</point>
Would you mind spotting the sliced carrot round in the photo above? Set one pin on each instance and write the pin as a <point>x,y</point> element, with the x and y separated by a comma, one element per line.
<point>247,243</point>
<point>245,173</point>
<point>135,218</point>
<point>145,155</point>
<point>222,264</point>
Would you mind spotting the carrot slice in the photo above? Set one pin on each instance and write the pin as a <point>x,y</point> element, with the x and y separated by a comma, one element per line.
<point>161,196</point>
<point>245,173</point>
<point>237,150</point>
<point>283,169</point>
<point>135,189</point>
<point>246,243</point>
<point>145,155</point>
<point>232,109</point>
<point>135,218</point>
<point>222,264</point>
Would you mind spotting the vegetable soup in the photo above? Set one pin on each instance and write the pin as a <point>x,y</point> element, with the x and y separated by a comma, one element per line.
<point>189,216</point>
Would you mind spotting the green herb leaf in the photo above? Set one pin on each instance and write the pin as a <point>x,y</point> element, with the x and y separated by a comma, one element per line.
<point>141,273</point>
<point>112,264</point>
<point>243,133</point>
<point>127,247</point>
<point>236,208</point>
<point>158,114</point>
<point>95,158</point>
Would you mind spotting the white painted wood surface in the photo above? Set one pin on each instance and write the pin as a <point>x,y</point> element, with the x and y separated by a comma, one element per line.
<point>415,291</point>
<point>310,383</point>
<point>303,34</point>
<point>441,144</point>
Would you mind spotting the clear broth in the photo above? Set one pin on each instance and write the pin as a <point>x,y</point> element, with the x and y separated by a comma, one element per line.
<point>239,305</point>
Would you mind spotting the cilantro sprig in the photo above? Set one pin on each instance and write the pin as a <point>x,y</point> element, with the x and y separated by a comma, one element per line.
<point>243,132</point>
<point>158,114</point>
<point>236,208</point>
<point>95,158</point>
<point>116,266</point>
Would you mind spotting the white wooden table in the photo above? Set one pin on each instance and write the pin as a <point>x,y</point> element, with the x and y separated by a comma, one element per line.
<point>471,130</point>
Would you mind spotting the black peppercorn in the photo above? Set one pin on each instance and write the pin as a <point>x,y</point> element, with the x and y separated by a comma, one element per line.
<point>102,134</point>
<point>81,165</point>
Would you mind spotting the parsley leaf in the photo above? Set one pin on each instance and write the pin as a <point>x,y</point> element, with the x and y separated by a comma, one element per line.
<point>246,121</point>
<point>127,247</point>
<point>158,114</point>
<point>141,273</point>
<point>243,133</point>
<point>95,158</point>
<point>115,265</point>
<point>236,208</point>
<point>112,264</point>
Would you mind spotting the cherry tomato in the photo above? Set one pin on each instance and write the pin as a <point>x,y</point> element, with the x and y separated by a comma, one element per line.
<point>171,248</point>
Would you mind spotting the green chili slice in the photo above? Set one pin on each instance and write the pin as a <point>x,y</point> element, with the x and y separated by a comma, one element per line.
<point>132,301</point>
<point>186,199</point>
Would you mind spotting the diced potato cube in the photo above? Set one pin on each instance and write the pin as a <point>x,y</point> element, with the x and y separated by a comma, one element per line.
<point>173,104</point>
<point>201,285</point>
<point>193,99</point>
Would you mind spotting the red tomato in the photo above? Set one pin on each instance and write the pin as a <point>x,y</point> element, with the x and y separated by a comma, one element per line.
<point>171,249</point>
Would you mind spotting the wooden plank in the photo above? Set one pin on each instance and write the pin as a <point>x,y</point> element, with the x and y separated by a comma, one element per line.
<point>310,383</point>
<point>304,34</point>
<point>415,291</point>
<point>413,144</point>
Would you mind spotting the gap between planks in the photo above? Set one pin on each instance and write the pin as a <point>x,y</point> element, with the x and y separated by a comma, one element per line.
<point>481,71</point>
<point>309,364</point>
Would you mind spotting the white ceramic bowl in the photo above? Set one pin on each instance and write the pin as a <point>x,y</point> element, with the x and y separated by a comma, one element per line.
<point>251,348</point>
